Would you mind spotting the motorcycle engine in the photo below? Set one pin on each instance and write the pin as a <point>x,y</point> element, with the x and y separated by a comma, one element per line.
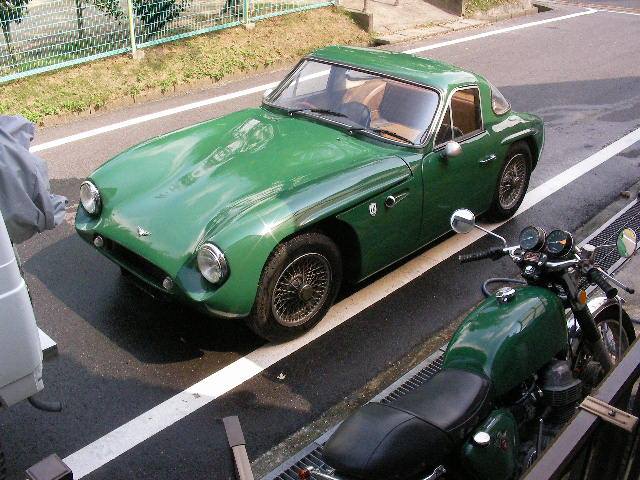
<point>561,392</point>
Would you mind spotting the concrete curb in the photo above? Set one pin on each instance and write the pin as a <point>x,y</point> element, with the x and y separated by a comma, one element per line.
<point>363,19</point>
<point>504,12</point>
<point>476,20</point>
<point>431,31</point>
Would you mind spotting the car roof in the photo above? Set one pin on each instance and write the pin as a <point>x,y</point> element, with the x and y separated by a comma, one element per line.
<point>424,71</point>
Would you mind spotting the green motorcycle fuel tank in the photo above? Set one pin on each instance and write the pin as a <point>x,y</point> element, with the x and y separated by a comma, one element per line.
<point>509,340</point>
<point>460,419</point>
<point>506,340</point>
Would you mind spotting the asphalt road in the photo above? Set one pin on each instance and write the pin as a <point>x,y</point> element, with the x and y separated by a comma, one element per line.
<point>122,354</point>
<point>625,4</point>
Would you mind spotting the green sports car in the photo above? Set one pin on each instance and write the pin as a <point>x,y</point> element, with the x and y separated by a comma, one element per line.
<point>356,160</point>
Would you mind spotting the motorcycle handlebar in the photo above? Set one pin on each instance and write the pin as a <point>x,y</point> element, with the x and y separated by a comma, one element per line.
<point>492,253</point>
<point>595,276</point>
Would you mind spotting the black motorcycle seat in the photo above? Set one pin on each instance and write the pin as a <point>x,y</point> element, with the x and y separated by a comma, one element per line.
<point>383,441</point>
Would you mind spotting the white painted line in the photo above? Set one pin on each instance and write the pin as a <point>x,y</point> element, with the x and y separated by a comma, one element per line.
<point>618,11</point>
<point>260,88</point>
<point>491,33</point>
<point>48,345</point>
<point>141,428</point>
<point>151,116</point>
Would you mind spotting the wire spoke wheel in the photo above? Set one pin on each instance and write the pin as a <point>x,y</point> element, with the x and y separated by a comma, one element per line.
<point>513,181</point>
<point>301,290</point>
<point>614,338</point>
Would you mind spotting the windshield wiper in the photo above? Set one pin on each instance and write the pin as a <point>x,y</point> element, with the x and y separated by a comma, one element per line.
<point>322,111</point>
<point>384,132</point>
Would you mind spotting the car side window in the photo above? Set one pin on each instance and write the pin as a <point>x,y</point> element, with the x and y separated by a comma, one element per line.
<point>444,132</point>
<point>465,108</point>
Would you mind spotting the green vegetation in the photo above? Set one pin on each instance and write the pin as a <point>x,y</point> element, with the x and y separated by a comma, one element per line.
<point>11,11</point>
<point>183,64</point>
<point>473,6</point>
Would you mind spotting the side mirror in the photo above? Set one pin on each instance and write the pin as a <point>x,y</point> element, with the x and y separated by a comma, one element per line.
<point>266,93</point>
<point>452,149</point>
<point>627,242</point>
<point>463,220</point>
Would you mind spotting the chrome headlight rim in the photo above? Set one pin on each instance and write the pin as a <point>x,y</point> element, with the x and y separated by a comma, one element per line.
<point>212,263</point>
<point>94,194</point>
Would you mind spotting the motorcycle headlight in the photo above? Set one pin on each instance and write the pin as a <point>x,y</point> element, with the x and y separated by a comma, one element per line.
<point>212,263</point>
<point>90,198</point>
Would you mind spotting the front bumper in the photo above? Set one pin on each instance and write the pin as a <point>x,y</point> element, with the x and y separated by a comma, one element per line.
<point>149,278</point>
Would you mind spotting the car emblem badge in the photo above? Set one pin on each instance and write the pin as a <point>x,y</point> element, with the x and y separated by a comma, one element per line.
<point>373,209</point>
<point>143,233</point>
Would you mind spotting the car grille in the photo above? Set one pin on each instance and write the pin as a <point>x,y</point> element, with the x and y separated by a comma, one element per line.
<point>135,263</point>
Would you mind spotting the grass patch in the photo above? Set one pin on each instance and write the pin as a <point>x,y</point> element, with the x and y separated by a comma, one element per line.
<point>210,57</point>
<point>474,6</point>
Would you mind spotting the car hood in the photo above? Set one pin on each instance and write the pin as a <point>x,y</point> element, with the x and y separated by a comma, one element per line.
<point>189,185</point>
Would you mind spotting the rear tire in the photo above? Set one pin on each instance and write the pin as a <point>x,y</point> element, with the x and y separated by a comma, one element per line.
<point>298,285</point>
<point>512,184</point>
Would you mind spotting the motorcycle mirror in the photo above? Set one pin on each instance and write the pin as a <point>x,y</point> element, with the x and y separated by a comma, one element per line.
<point>266,93</point>
<point>627,242</point>
<point>452,149</point>
<point>463,220</point>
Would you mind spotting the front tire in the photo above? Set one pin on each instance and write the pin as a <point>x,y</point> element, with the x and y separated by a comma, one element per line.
<point>298,285</point>
<point>3,465</point>
<point>616,341</point>
<point>513,182</point>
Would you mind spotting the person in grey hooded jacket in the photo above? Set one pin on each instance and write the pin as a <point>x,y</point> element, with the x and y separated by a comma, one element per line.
<point>27,205</point>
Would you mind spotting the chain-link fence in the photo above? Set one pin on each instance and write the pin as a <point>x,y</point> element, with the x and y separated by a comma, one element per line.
<point>41,35</point>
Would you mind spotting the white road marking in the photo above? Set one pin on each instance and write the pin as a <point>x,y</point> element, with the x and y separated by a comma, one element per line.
<point>260,88</point>
<point>491,33</point>
<point>141,428</point>
<point>618,11</point>
<point>151,116</point>
<point>48,345</point>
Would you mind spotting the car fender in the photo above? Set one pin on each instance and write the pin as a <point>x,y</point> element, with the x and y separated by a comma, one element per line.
<point>249,239</point>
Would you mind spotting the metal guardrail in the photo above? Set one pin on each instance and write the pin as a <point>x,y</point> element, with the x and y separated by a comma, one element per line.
<point>589,448</point>
<point>43,35</point>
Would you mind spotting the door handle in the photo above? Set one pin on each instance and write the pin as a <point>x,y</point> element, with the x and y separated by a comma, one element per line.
<point>488,159</point>
<point>392,200</point>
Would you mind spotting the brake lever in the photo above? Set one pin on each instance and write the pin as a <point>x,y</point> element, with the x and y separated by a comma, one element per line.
<point>617,282</point>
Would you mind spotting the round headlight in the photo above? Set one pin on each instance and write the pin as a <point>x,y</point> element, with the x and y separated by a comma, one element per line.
<point>90,198</point>
<point>212,263</point>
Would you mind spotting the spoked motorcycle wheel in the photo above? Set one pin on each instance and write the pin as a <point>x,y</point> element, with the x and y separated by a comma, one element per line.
<point>616,341</point>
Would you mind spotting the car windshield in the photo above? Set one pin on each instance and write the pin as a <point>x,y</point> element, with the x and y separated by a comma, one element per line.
<point>363,101</point>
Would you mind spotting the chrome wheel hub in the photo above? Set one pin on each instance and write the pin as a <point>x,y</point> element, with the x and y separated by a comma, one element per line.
<point>301,290</point>
<point>512,182</point>
<point>615,339</point>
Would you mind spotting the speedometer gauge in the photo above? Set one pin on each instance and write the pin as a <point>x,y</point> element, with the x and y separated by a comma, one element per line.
<point>532,238</point>
<point>559,243</point>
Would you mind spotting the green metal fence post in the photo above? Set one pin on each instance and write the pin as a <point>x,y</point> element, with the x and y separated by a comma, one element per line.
<point>246,15</point>
<point>132,29</point>
<point>45,37</point>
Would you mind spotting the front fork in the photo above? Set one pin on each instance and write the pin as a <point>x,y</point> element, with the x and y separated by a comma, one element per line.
<point>587,324</point>
<point>591,334</point>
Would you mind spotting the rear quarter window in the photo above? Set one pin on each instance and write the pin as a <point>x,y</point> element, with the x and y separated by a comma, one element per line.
<point>499,104</point>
